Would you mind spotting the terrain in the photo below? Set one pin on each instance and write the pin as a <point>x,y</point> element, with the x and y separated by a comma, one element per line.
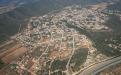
<point>61,38</point>
<point>16,12</point>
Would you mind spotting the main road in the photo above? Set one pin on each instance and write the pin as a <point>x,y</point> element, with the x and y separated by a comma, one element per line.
<point>93,70</point>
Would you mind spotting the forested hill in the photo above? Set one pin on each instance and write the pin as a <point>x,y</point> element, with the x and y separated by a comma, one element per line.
<point>116,6</point>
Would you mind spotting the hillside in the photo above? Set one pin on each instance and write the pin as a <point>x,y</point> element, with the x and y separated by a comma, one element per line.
<point>24,9</point>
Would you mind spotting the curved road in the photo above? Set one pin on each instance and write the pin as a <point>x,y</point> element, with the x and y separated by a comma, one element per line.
<point>93,70</point>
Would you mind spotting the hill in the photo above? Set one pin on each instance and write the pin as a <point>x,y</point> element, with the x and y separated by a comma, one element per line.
<point>24,9</point>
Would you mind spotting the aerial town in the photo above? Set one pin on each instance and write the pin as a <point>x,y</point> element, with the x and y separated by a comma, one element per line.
<point>52,45</point>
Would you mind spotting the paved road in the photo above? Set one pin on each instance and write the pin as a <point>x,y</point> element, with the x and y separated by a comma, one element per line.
<point>93,70</point>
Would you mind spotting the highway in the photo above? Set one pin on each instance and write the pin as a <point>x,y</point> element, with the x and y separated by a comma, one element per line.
<point>93,70</point>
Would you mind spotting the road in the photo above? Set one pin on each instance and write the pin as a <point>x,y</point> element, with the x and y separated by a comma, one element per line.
<point>93,70</point>
<point>73,51</point>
